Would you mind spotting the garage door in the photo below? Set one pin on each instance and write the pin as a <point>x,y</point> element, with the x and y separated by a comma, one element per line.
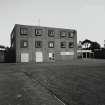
<point>39,56</point>
<point>24,57</point>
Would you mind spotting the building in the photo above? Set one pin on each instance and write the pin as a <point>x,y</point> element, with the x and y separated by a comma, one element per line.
<point>43,44</point>
<point>83,52</point>
<point>2,54</point>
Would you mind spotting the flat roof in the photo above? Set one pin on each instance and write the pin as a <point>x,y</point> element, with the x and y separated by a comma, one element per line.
<point>45,27</point>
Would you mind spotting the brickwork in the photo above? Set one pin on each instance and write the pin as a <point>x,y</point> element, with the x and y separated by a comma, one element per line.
<point>28,33</point>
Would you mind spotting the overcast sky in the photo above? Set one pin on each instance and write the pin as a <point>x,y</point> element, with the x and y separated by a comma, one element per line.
<point>86,16</point>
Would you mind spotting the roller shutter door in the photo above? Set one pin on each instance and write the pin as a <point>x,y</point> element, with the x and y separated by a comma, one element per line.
<point>39,56</point>
<point>24,57</point>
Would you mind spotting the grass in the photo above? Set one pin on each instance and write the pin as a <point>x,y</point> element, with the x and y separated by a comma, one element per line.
<point>79,82</point>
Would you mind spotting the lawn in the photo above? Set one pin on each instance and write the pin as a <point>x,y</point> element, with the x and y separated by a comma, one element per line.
<point>79,82</point>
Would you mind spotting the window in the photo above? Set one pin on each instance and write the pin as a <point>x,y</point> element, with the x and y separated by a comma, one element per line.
<point>23,43</point>
<point>38,32</point>
<point>70,34</point>
<point>71,44</point>
<point>23,31</point>
<point>51,44</point>
<point>62,34</point>
<point>63,44</point>
<point>51,33</point>
<point>51,56</point>
<point>38,44</point>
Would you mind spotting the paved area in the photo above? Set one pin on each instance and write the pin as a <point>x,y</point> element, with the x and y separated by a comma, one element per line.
<point>80,82</point>
<point>18,89</point>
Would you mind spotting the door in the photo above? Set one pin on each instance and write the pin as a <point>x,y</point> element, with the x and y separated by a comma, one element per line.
<point>24,57</point>
<point>39,57</point>
<point>51,56</point>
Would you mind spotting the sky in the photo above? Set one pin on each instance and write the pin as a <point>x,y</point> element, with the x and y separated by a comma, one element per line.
<point>86,16</point>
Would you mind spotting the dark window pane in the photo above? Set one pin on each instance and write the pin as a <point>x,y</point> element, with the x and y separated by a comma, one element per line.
<point>63,44</point>
<point>23,43</point>
<point>62,34</point>
<point>38,32</point>
<point>70,34</point>
<point>51,33</point>
<point>71,44</point>
<point>23,31</point>
<point>38,44</point>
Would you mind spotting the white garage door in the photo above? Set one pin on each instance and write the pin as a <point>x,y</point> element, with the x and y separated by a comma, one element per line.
<point>39,57</point>
<point>24,57</point>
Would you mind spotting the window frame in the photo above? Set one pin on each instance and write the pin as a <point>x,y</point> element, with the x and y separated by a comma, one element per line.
<point>51,56</point>
<point>72,46</point>
<point>23,31</point>
<point>22,43</point>
<point>62,32</point>
<point>38,32</point>
<point>51,33</point>
<point>70,34</point>
<point>50,42</point>
<point>63,43</point>
<point>37,44</point>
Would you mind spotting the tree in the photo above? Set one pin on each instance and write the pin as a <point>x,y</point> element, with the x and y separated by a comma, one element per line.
<point>94,46</point>
<point>87,43</point>
<point>10,55</point>
<point>90,45</point>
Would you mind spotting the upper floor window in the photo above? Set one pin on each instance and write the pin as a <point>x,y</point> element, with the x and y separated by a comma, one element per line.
<point>71,44</point>
<point>38,32</point>
<point>51,44</point>
<point>23,43</point>
<point>23,31</point>
<point>70,34</point>
<point>51,33</point>
<point>62,34</point>
<point>63,44</point>
<point>38,44</point>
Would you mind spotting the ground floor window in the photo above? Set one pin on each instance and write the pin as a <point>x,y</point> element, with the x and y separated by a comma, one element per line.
<point>51,56</point>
